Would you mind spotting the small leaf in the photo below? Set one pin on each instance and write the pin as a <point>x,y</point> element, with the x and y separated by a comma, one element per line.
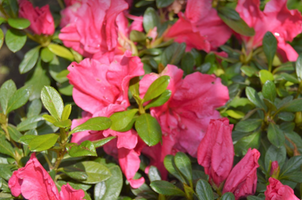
<point>166,188</point>
<point>49,118</point>
<point>157,88</point>
<point>17,100</point>
<point>14,133</point>
<point>29,60</point>
<point>46,55</point>
<point>151,19</point>
<point>204,190</point>
<point>254,97</point>
<point>158,101</point>
<point>163,3</point>
<point>63,124</point>
<point>183,164</point>
<point>293,164</point>
<point>171,167</point>
<point>291,106</point>
<point>61,51</point>
<point>187,63</point>
<point>251,141</point>
<point>265,75</point>
<point>269,91</point>
<point>52,101</point>
<point>154,174</point>
<point>148,129</point>
<point>43,142</point>
<point>5,147</point>
<point>7,90</point>
<point>228,196</point>
<point>121,121</point>
<point>275,135</point>
<point>137,36</point>
<point>93,124</point>
<point>86,148</point>
<point>269,44</point>
<point>18,23</point>
<point>15,39</point>
<point>34,108</point>
<point>66,112</point>
<point>298,65</point>
<point>275,154</point>
<point>248,125</point>
<point>29,123</point>
<point>101,142</point>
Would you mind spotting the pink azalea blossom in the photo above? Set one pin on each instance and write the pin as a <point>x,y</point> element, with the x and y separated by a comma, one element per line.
<point>185,117</point>
<point>277,191</point>
<point>41,20</point>
<point>242,180</point>
<point>283,23</point>
<point>198,27</point>
<point>34,183</point>
<point>216,151</point>
<point>92,27</point>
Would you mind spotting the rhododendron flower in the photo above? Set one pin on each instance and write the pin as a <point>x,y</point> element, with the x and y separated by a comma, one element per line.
<point>216,151</point>
<point>277,191</point>
<point>198,27</point>
<point>283,23</point>
<point>185,117</point>
<point>41,20</point>
<point>242,180</point>
<point>34,183</point>
<point>92,27</point>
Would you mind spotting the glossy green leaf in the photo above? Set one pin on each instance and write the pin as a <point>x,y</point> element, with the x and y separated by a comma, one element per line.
<point>151,19</point>
<point>25,139</point>
<point>228,196</point>
<point>93,124</point>
<point>249,70</point>
<point>52,101</point>
<point>292,106</point>
<point>43,142</point>
<point>293,164</point>
<point>61,51</point>
<point>29,123</point>
<point>123,121</point>
<point>86,148</point>
<point>160,100</point>
<point>171,167</point>
<point>269,91</point>
<point>154,174</point>
<point>269,45</point>
<point>157,88</point>
<point>6,171</point>
<point>1,38</point>
<point>18,23</point>
<point>15,39</point>
<point>298,65</point>
<point>63,124</point>
<point>101,142</point>
<point>251,141</point>
<point>148,129</point>
<point>7,90</point>
<point>173,54</point>
<point>163,3</point>
<point>19,98</point>
<point>166,188</point>
<point>254,97</point>
<point>233,20</point>
<point>66,112</point>
<point>235,114</point>
<point>275,154</point>
<point>295,176</point>
<point>187,63</point>
<point>265,75</point>
<point>75,173</point>
<point>204,190</point>
<point>49,118</point>
<point>34,108</point>
<point>183,164</point>
<point>46,55</point>
<point>248,125</point>
<point>14,133</point>
<point>5,147</point>
<point>275,135</point>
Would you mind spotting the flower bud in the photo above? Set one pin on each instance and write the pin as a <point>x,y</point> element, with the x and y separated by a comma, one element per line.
<point>275,169</point>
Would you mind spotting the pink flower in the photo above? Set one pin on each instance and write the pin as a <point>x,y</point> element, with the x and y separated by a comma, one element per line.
<point>92,27</point>
<point>34,183</point>
<point>71,2</point>
<point>41,20</point>
<point>242,180</point>
<point>216,151</point>
<point>198,27</point>
<point>283,23</point>
<point>275,169</point>
<point>185,117</point>
<point>277,191</point>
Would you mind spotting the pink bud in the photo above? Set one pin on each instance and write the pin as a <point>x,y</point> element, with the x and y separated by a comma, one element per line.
<point>275,169</point>
<point>276,190</point>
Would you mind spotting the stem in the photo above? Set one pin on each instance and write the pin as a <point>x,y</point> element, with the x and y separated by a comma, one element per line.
<point>296,152</point>
<point>48,161</point>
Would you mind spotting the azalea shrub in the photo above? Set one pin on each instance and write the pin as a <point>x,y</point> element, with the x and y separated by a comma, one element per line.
<point>152,99</point>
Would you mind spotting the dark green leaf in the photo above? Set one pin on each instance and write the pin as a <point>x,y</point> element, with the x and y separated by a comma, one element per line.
<point>6,92</point>
<point>254,97</point>
<point>18,23</point>
<point>14,133</point>
<point>292,106</point>
<point>293,164</point>
<point>15,39</point>
<point>163,3</point>
<point>157,88</point>
<point>34,108</point>
<point>46,55</point>
<point>288,77</point>
<point>228,196</point>
<point>295,176</point>
<point>275,135</point>
<point>5,171</point>
<point>298,66</point>
<point>52,101</point>
<point>18,99</point>
<point>86,148</point>
<point>61,51</point>
<point>29,123</point>
<point>173,54</point>
<point>204,190</point>
<point>187,63</point>
<point>171,167</point>
<point>163,98</point>
<point>166,188</point>
<point>269,91</point>
<point>183,164</point>
<point>123,121</point>
<point>286,116</point>
<point>43,142</point>
<point>93,124</point>
<point>75,173</point>
<point>269,44</point>
<point>154,174</point>
<point>148,129</point>
<point>248,125</point>
<point>249,70</point>
<point>6,148</point>
<point>250,141</point>
<point>275,154</point>
<point>101,142</point>
<point>151,19</point>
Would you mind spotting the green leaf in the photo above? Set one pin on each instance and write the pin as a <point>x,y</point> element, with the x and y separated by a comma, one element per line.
<point>286,116</point>
<point>111,188</point>
<point>163,3</point>
<point>14,133</point>
<point>96,172</point>
<point>29,60</point>
<point>34,108</point>
<point>1,38</point>
<point>52,101</point>
<point>275,135</point>
<point>288,77</point>
<point>66,112</point>
<point>293,164</point>
<point>173,54</point>
<point>248,125</point>
<point>43,142</point>
<point>187,63</point>
<point>228,196</point>
<point>157,88</point>
<point>6,148</point>
<point>295,176</point>
<point>250,141</point>
<point>154,174</point>
<point>137,36</point>
<point>49,118</point>
<point>171,167</point>
<point>298,65</point>
<point>183,164</point>
<point>25,139</point>
<point>166,188</point>
<point>235,114</point>
<point>269,91</point>
<point>18,23</point>
<point>254,97</point>
<point>204,190</point>
<point>151,19</point>
<point>75,173</point>
<point>17,100</point>
<point>158,101</point>
<point>123,121</point>
<point>46,55</point>
<point>233,20</point>
<point>15,39</point>
<point>61,51</point>
<point>148,129</point>
<point>93,124</point>
<point>249,70</point>
<point>275,154</point>
<point>29,123</point>
<point>292,106</point>
<point>269,45</point>
<point>6,171</point>
<point>101,142</point>
<point>6,92</point>
<point>86,148</point>
<point>265,75</point>
<point>63,124</point>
